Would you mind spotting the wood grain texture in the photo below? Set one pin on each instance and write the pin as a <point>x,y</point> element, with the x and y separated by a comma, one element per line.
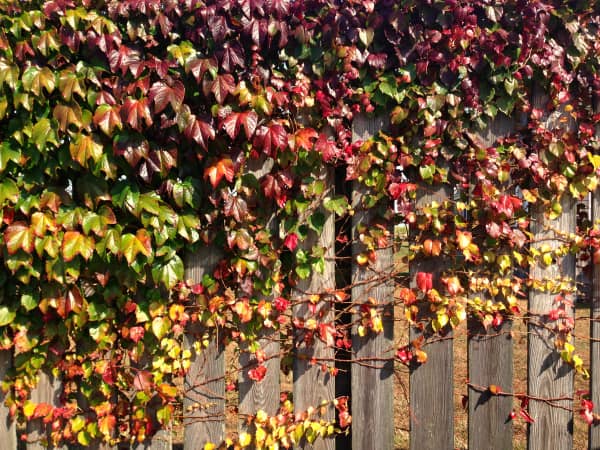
<point>490,362</point>
<point>548,375</point>
<point>47,391</point>
<point>163,440</point>
<point>8,430</point>
<point>372,400</point>
<point>204,384</point>
<point>431,403</point>
<point>490,358</point>
<point>264,395</point>
<point>594,430</point>
<point>312,385</point>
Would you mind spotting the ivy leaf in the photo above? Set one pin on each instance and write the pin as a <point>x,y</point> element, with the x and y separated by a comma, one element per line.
<point>304,138</point>
<point>231,56</point>
<point>75,243</point>
<point>220,87</point>
<point>35,79</point>
<point>216,172</point>
<point>235,120</point>
<point>338,204</point>
<point>162,95</point>
<point>169,273</point>
<point>134,244</point>
<point>132,147</point>
<point>19,235</point>
<point>134,112</point>
<point>201,132</point>
<point>8,154</point>
<point>69,84</point>
<point>126,58</point>
<point>67,115</point>
<point>199,67</point>
<point>271,138</point>
<point>6,315</point>
<point>85,147</point>
<point>107,118</point>
<point>42,133</point>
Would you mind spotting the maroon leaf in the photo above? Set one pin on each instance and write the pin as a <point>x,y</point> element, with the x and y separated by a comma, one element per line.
<point>162,95</point>
<point>271,138</point>
<point>234,120</point>
<point>221,86</point>
<point>198,67</point>
<point>235,206</point>
<point>132,149</point>
<point>201,132</point>
<point>126,58</point>
<point>231,56</point>
<point>135,111</point>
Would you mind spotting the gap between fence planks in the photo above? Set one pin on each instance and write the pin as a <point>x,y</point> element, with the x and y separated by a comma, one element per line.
<point>372,398</point>
<point>548,375</point>
<point>490,357</point>
<point>431,399</point>
<point>312,385</point>
<point>204,385</point>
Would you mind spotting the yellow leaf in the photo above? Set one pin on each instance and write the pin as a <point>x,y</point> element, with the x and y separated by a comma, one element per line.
<point>245,439</point>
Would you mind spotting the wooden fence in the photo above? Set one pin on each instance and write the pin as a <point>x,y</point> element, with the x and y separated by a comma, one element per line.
<point>370,379</point>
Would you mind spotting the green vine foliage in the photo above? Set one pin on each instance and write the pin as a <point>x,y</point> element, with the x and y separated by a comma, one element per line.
<point>127,130</point>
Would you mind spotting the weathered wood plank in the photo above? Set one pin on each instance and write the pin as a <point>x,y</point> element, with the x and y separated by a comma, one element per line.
<point>8,429</point>
<point>548,375</point>
<point>372,377</point>
<point>490,362</point>
<point>163,440</point>
<point>312,385</point>
<point>47,391</point>
<point>204,385</point>
<point>490,359</point>
<point>431,405</point>
<point>594,430</point>
<point>264,395</point>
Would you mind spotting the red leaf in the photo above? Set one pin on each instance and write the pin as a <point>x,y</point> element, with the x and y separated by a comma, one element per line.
<point>327,148</point>
<point>126,58</point>
<point>525,415</point>
<point>162,95</point>
<point>271,138</point>
<point>231,56</point>
<point>216,172</point>
<point>304,138</point>
<point>198,67</point>
<point>221,86</point>
<point>234,121</point>
<point>257,374</point>
<point>136,333</point>
<point>291,241</point>
<point>424,281</point>
<point>135,111</point>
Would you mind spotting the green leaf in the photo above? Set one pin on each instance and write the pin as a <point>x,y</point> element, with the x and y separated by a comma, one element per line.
<point>161,326</point>
<point>316,221</point>
<point>134,244</point>
<point>8,154</point>
<point>43,133</point>
<point>303,270</point>
<point>35,79</point>
<point>170,273</point>
<point>29,302</point>
<point>427,172</point>
<point>6,315</point>
<point>337,204</point>
<point>9,191</point>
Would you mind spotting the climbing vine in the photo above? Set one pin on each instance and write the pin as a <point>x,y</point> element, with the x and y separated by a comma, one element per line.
<point>128,128</point>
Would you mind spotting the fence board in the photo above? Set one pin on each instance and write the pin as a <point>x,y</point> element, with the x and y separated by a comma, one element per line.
<point>8,430</point>
<point>594,430</point>
<point>490,362</point>
<point>47,391</point>
<point>548,375</point>
<point>263,395</point>
<point>372,378</point>
<point>311,384</point>
<point>490,359</point>
<point>204,385</point>
<point>431,406</point>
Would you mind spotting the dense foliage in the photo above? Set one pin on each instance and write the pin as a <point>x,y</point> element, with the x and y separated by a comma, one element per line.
<point>127,128</point>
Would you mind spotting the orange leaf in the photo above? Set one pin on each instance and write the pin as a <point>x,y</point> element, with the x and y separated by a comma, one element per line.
<point>216,172</point>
